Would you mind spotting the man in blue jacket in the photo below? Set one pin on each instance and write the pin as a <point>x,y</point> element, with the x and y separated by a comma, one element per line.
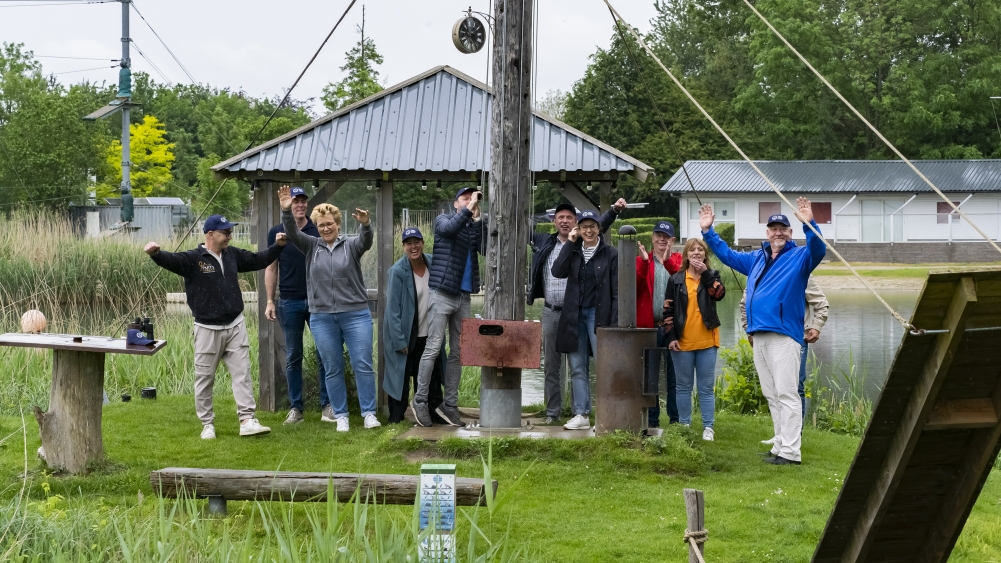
<point>455,273</point>
<point>776,282</point>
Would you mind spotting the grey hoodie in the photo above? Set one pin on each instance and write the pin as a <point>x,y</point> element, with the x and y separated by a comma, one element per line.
<point>334,282</point>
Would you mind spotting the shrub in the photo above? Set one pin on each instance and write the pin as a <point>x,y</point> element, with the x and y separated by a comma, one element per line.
<point>726,232</point>
<point>739,390</point>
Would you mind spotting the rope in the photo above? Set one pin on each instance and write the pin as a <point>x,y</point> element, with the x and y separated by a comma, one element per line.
<point>695,539</point>
<point>768,181</point>
<point>871,127</point>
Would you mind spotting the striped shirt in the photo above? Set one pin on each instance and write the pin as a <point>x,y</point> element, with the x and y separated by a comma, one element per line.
<point>555,288</point>
<point>588,252</point>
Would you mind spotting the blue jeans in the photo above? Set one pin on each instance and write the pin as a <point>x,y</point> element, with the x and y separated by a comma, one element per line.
<point>696,367</point>
<point>293,316</point>
<point>802,377</point>
<point>332,331</point>
<point>653,413</point>
<point>586,341</point>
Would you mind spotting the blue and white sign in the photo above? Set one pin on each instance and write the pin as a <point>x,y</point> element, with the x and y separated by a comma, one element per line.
<point>436,504</point>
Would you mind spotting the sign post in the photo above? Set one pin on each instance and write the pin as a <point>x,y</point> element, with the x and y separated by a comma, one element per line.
<point>436,504</point>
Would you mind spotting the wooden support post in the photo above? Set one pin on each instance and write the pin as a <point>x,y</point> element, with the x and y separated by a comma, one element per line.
<point>695,509</point>
<point>509,188</point>
<point>323,194</point>
<point>385,238</point>
<point>71,428</point>
<point>604,196</point>
<point>578,197</point>
<point>272,387</point>
<point>917,411</point>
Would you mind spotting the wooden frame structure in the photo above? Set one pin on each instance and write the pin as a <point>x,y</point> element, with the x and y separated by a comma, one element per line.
<point>434,126</point>
<point>934,433</point>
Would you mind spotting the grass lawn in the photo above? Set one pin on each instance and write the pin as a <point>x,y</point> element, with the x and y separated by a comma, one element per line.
<point>886,270</point>
<point>609,499</point>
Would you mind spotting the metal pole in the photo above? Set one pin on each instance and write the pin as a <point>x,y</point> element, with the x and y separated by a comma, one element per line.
<point>125,91</point>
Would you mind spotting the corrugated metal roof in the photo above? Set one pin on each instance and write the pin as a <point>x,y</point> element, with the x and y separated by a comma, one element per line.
<point>833,176</point>
<point>438,121</point>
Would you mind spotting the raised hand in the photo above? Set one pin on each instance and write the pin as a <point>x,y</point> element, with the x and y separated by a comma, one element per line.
<point>619,205</point>
<point>285,197</point>
<point>573,235</point>
<point>281,239</point>
<point>474,204</point>
<point>706,217</point>
<point>643,253</point>
<point>361,215</point>
<point>805,211</point>
<point>151,248</point>
<point>697,266</point>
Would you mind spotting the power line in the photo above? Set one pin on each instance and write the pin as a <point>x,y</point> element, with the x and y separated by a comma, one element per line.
<point>47,4</point>
<point>176,60</point>
<point>289,93</point>
<point>78,58</point>
<point>152,64</point>
<point>82,70</point>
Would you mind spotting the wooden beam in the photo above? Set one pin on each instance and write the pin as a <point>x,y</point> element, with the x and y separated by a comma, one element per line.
<point>578,197</point>
<point>385,237</point>
<point>952,514</point>
<point>929,381</point>
<point>323,194</point>
<point>272,387</point>
<point>962,413</point>
<point>604,196</point>
<point>293,486</point>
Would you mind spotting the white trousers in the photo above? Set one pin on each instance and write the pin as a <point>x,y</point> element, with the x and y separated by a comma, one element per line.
<point>777,357</point>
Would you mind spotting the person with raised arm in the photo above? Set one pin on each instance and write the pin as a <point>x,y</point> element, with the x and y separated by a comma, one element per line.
<point>777,276</point>
<point>338,303</point>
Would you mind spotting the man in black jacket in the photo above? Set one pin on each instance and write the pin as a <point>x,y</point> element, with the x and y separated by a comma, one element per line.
<point>545,248</point>
<point>214,297</point>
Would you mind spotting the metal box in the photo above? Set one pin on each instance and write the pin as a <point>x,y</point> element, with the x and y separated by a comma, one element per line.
<point>501,344</point>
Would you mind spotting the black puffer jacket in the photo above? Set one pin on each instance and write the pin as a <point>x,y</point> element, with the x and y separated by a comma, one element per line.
<point>455,235</point>
<point>570,265</point>
<point>710,291</point>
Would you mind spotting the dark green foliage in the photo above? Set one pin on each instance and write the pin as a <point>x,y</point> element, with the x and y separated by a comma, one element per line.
<point>725,232</point>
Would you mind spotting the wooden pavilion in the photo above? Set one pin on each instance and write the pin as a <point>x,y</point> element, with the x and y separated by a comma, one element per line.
<point>434,126</point>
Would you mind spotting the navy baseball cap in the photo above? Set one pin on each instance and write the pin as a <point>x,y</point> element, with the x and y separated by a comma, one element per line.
<point>565,207</point>
<point>664,227</point>
<point>297,191</point>
<point>217,223</point>
<point>135,336</point>
<point>587,215</point>
<point>412,232</point>
<point>464,190</point>
<point>779,219</point>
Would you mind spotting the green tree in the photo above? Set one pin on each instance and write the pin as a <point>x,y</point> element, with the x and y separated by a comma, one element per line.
<point>151,158</point>
<point>231,197</point>
<point>362,79</point>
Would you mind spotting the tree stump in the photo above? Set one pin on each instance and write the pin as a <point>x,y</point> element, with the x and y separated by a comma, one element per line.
<point>695,509</point>
<point>71,429</point>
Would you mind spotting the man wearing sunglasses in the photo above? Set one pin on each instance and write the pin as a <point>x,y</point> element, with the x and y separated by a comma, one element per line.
<point>212,287</point>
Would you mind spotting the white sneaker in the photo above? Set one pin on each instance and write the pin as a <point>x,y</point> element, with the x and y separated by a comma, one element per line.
<point>371,421</point>
<point>208,432</point>
<point>294,417</point>
<point>708,434</point>
<point>579,422</point>
<point>342,424</point>
<point>328,414</point>
<point>251,427</point>
<point>769,441</point>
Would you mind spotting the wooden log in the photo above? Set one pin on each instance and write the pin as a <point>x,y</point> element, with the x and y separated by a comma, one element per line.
<point>291,486</point>
<point>71,429</point>
<point>695,509</point>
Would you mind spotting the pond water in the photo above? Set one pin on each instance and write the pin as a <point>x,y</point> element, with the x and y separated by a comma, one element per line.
<point>859,331</point>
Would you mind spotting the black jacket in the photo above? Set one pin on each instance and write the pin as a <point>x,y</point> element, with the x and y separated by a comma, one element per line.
<point>710,291</point>
<point>570,265</point>
<point>214,297</point>
<point>542,244</point>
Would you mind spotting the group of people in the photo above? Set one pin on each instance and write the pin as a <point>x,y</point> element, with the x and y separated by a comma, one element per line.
<point>573,270</point>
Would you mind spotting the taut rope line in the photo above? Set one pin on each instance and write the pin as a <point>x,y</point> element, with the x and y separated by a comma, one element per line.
<point>870,125</point>
<point>774,188</point>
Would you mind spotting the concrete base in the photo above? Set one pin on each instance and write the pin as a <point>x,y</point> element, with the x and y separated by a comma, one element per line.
<point>500,408</point>
<point>435,433</point>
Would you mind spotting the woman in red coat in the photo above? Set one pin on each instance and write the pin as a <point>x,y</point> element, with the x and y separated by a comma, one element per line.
<point>653,269</point>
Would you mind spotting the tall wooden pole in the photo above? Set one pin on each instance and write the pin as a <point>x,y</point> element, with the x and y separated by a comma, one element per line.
<point>510,174</point>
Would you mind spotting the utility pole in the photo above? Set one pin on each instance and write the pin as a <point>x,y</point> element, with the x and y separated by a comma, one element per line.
<point>125,95</point>
<point>509,184</point>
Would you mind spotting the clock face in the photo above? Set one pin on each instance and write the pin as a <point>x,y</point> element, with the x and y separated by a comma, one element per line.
<point>469,35</point>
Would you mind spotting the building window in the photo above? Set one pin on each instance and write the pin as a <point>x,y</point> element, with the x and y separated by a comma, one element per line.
<point>768,208</point>
<point>822,212</point>
<point>944,211</point>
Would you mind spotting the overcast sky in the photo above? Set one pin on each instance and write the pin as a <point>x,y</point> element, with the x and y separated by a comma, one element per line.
<point>261,46</point>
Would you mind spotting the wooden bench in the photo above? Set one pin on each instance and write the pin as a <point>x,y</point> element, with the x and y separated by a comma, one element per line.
<point>221,485</point>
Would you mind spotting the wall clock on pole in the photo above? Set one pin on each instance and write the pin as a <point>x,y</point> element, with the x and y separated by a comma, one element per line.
<point>469,34</point>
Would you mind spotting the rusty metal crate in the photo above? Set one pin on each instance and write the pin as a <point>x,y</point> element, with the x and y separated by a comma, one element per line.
<point>501,344</point>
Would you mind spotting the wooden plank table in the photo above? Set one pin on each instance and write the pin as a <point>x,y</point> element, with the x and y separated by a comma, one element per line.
<point>934,433</point>
<point>71,428</point>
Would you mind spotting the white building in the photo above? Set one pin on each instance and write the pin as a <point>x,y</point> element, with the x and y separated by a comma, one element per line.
<point>881,202</point>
